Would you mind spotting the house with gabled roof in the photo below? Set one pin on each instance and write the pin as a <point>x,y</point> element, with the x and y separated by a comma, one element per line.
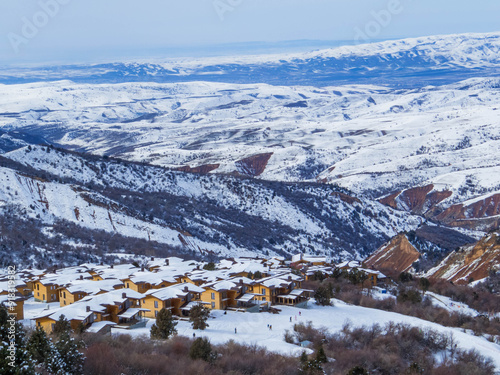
<point>119,306</point>
<point>175,297</point>
<point>80,289</point>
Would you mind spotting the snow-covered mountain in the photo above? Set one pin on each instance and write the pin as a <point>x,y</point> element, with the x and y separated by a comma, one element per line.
<point>208,215</point>
<point>372,140</point>
<point>405,63</point>
<point>332,151</point>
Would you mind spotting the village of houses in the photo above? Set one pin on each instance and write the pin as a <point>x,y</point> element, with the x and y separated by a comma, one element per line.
<point>98,298</point>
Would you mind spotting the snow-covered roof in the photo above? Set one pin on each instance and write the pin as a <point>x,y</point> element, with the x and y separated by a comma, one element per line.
<point>98,326</point>
<point>174,291</point>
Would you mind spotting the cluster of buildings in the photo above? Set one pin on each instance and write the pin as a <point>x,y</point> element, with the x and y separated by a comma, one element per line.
<point>96,297</point>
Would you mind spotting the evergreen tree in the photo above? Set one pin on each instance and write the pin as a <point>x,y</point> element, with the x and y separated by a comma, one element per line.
<point>358,370</point>
<point>62,326</point>
<point>304,358</point>
<point>321,355</point>
<point>323,295</point>
<point>14,360</point>
<point>202,349</point>
<point>164,326</point>
<point>39,346</point>
<point>198,317</point>
<point>67,359</point>
<point>424,284</point>
<point>257,275</point>
<point>209,266</point>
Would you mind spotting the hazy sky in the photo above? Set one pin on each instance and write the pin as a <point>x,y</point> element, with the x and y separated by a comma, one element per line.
<point>75,30</point>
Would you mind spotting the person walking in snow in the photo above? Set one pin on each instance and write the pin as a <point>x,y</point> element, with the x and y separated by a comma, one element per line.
<point>235,331</point>
<point>290,319</point>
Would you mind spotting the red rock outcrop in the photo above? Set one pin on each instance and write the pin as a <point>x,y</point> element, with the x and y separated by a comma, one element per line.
<point>253,165</point>
<point>346,198</point>
<point>418,200</point>
<point>472,262</point>
<point>478,215</point>
<point>396,255</point>
<point>201,169</point>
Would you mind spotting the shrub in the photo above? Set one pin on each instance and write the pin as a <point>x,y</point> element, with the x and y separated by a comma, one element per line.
<point>202,349</point>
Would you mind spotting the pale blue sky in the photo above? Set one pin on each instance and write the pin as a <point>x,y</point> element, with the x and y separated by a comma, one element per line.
<point>86,30</point>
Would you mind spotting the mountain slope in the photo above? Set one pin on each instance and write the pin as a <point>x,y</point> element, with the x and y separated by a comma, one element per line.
<point>374,141</point>
<point>473,262</point>
<point>207,214</point>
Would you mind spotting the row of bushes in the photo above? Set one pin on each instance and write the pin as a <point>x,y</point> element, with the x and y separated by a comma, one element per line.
<point>411,301</point>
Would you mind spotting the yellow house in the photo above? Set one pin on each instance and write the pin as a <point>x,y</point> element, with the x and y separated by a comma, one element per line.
<point>14,306</point>
<point>45,291</point>
<point>112,306</point>
<point>174,297</point>
<point>223,294</point>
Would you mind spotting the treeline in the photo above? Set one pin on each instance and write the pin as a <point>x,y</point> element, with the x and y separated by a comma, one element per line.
<point>28,242</point>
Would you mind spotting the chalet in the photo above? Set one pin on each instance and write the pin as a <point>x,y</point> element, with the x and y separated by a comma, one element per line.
<point>175,297</point>
<point>223,294</point>
<point>118,306</point>
<point>19,285</point>
<point>77,290</point>
<point>14,305</point>
<point>309,260</point>
<point>144,280</point>
<point>268,289</point>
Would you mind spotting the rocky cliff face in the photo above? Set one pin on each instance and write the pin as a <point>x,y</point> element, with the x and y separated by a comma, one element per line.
<point>470,263</point>
<point>479,214</point>
<point>253,165</point>
<point>397,255</point>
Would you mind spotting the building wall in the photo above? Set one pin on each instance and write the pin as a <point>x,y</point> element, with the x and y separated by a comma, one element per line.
<point>44,293</point>
<point>67,298</point>
<point>213,299</point>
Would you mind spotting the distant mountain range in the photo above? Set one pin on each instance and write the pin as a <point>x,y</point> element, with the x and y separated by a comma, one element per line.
<point>408,63</point>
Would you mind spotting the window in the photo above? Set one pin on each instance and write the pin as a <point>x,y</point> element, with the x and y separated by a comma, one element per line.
<point>156,304</point>
<point>156,313</point>
<point>213,304</point>
<point>128,285</point>
<point>43,295</point>
<point>64,294</point>
<point>263,291</point>
<point>213,296</point>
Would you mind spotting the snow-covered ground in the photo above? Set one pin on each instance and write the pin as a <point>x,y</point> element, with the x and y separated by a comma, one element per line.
<point>450,305</point>
<point>252,328</point>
